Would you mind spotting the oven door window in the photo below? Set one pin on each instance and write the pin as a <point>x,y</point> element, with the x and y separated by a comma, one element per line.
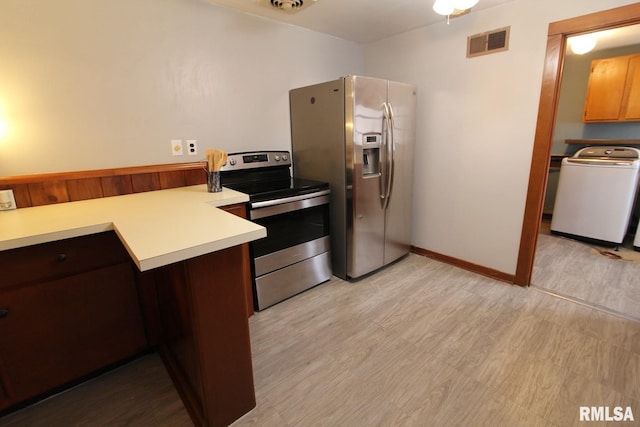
<point>292,228</point>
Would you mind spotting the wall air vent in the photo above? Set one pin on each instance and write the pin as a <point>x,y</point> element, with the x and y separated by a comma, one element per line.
<point>287,5</point>
<point>488,42</point>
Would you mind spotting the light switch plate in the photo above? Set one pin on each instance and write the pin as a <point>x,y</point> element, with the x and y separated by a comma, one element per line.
<point>176,147</point>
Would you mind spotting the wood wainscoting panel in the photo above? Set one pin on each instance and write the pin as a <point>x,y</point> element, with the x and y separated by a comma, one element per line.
<point>116,185</point>
<point>171,179</point>
<point>83,189</point>
<point>59,187</point>
<point>48,192</point>
<point>20,193</point>
<point>195,176</point>
<point>145,182</point>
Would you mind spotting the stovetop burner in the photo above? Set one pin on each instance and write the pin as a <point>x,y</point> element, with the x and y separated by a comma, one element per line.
<point>265,175</point>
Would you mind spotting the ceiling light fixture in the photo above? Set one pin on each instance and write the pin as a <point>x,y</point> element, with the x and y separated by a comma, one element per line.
<point>290,6</point>
<point>453,7</point>
<point>582,44</point>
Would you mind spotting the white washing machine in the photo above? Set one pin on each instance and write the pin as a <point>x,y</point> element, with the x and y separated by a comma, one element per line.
<point>636,240</point>
<point>596,193</point>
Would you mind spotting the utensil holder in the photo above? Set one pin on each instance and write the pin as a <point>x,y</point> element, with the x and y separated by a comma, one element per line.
<point>214,185</point>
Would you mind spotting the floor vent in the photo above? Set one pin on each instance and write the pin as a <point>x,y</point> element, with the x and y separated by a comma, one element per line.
<point>488,42</point>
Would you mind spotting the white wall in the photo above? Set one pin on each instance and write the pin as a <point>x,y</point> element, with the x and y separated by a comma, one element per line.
<point>476,124</point>
<point>87,84</point>
<point>90,84</point>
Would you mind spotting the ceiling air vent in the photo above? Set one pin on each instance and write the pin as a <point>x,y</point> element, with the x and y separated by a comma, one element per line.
<point>288,5</point>
<point>488,42</point>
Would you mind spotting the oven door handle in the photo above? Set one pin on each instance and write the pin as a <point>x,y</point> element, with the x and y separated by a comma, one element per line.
<point>289,204</point>
<point>258,205</point>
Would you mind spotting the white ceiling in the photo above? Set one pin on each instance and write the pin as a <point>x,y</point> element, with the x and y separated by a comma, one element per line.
<point>361,21</point>
<point>366,21</point>
<point>617,37</point>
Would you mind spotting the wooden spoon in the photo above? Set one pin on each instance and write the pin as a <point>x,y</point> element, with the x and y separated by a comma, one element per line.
<point>216,158</point>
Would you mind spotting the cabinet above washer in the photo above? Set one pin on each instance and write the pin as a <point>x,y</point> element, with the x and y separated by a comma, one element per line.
<point>613,91</point>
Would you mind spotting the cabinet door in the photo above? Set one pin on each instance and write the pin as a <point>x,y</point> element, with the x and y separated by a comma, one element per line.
<point>57,331</point>
<point>631,100</point>
<point>206,343</point>
<point>605,89</point>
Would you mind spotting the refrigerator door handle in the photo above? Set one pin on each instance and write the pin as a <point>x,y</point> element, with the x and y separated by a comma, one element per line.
<point>390,155</point>
<point>383,157</point>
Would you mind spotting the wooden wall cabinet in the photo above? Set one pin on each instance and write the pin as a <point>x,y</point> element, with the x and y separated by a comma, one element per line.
<point>613,91</point>
<point>68,308</point>
<point>631,97</point>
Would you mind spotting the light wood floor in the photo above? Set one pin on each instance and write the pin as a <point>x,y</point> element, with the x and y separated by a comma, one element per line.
<point>421,343</point>
<point>574,269</point>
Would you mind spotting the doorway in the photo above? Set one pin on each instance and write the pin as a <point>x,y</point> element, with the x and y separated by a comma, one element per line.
<point>549,94</point>
<point>550,91</point>
<point>590,272</point>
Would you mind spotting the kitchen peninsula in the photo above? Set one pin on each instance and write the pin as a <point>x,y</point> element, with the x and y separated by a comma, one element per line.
<point>72,302</point>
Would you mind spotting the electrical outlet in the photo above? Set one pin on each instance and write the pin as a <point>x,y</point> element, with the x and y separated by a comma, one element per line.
<point>176,147</point>
<point>192,147</point>
<point>7,201</point>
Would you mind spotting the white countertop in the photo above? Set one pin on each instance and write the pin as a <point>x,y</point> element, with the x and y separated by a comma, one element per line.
<point>157,227</point>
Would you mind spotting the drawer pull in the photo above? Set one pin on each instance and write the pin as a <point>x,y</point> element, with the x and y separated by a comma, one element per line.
<point>61,257</point>
<point>3,312</point>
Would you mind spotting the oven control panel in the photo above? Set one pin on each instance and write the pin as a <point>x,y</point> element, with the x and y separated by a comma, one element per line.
<point>256,159</point>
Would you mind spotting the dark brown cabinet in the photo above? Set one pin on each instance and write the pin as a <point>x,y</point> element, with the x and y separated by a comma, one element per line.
<point>68,308</point>
<point>205,335</point>
<point>241,211</point>
<point>73,307</point>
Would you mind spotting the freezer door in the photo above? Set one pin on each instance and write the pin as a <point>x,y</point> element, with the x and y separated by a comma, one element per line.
<point>365,135</point>
<point>318,147</point>
<point>402,104</point>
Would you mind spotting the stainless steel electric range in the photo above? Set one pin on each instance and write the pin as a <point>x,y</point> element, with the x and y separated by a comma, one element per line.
<point>295,254</point>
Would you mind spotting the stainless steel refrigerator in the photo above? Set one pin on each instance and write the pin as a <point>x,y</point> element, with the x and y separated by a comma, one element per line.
<point>358,134</point>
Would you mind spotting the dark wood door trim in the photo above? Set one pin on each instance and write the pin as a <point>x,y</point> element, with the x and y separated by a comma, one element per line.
<point>556,43</point>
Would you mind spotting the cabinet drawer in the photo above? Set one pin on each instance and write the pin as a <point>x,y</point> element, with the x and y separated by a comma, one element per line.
<point>61,258</point>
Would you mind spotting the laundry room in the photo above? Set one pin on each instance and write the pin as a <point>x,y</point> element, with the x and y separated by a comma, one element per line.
<point>591,208</point>
<point>572,131</point>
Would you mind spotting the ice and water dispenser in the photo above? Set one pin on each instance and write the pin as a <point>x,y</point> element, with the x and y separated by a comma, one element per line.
<point>371,154</point>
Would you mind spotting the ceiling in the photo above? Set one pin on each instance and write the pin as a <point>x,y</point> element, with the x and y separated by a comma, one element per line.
<point>365,21</point>
<point>616,37</point>
<point>360,21</point>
